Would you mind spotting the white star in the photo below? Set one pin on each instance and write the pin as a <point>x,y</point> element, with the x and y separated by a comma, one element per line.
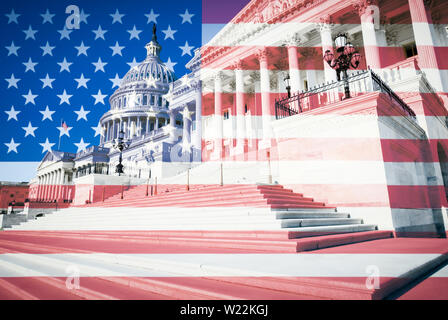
<point>30,65</point>
<point>82,82</point>
<point>133,64</point>
<point>64,97</point>
<point>99,97</point>
<point>152,17</point>
<point>65,34</point>
<point>12,146</point>
<point>82,49</point>
<point>12,49</point>
<point>99,65</point>
<point>82,114</point>
<point>29,130</point>
<point>47,49</point>
<point>65,65</point>
<point>116,49</point>
<point>48,17</point>
<point>186,17</point>
<point>151,82</point>
<point>186,49</point>
<point>81,145</point>
<point>186,113</point>
<point>98,130</point>
<point>134,33</point>
<point>29,98</point>
<point>99,33</point>
<point>12,81</point>
<point>170,65</point>
<point>47,114</point>
<point>30,33</point>
<point>12,114</point>
<point>83,16</point>
<point>64,131</point>
<point>116,17</point>
<point>46,146</point>
<point>185,80</point>
<point>12,17</point>
<point>47,82</point>
<point>115,81</point>
<point>169,33</point>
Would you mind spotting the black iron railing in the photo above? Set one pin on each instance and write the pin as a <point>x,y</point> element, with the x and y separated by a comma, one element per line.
<point>360,83</point>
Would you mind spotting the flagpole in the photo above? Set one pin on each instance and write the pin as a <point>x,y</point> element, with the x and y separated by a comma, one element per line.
<point>59,142</point>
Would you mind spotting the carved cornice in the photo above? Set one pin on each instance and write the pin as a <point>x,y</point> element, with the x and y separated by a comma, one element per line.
<point>326,23</point>
<point>362,5</point>
<point>263,54</point>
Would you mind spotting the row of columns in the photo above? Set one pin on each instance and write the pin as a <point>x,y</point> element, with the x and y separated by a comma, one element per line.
<point>130,127</point>
<point>373,39</point>
<point>51,186</point>
<point>195,140</point>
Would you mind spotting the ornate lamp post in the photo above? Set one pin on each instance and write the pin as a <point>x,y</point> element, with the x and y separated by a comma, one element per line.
<point>348,58</point>
<point>288,87</point>
<point>120,144</point>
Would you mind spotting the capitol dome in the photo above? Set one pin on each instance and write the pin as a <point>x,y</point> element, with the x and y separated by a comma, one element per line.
<point>138,106</point>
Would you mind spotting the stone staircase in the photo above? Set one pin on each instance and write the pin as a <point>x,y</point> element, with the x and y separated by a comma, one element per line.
<point>247,217</point>
<point>13,219</point>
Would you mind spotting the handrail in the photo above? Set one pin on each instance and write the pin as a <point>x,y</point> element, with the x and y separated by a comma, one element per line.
<point>327,93</point>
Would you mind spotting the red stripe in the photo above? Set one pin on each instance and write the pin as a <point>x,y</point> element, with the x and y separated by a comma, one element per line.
<point>216,11</point>
<point>311,58</point>
<point>217,242</point>
<point>421,103</point>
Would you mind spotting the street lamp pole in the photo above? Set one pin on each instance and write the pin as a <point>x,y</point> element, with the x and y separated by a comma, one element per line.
<point>348,58</point>
<point>288,87</point>
<point>120,144</point>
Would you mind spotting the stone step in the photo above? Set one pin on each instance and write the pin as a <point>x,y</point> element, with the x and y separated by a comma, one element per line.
<point>327,230</point>
<point>309,215</point>
<point>291,223</point>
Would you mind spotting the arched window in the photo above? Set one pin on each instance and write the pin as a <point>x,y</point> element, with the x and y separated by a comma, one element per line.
<point>124,102</point>
<point>145,100</point>
<point>152,99</point>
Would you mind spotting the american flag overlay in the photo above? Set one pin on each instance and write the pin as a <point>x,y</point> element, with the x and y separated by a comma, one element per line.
<point>53,75</point>
<point>224,150</point>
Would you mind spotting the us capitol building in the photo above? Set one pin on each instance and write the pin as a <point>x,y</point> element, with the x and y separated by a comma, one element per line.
<point>158,131</point>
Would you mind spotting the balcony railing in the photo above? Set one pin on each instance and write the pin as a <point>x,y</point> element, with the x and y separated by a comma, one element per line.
<point>360,83</point>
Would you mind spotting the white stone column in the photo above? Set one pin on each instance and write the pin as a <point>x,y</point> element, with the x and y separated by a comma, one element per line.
<point>147,125</point>
<point>369,11</point>
<point>293,62</point>
<point>325,27</point>
<point>425,40</point>
<point>218,116</point>
<point>39,186</point>
<point>240,112</point>
<point>186,119</point>
<point>265,87</point>
<point>139,129</point>
<point>107,134</point>
<point>156,124</point>
<point>198,116</point>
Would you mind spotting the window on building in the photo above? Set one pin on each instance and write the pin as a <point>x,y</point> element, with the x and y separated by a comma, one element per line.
<point>152,100</point>
<point>410,50</point>
<point>305,85</point>
<point>226,114</point>
<point>145,100</point>
<point>245,108</point>
<point>160,101</point>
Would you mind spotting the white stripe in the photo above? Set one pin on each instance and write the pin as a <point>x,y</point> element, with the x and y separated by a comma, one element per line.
<point>201,265</point>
